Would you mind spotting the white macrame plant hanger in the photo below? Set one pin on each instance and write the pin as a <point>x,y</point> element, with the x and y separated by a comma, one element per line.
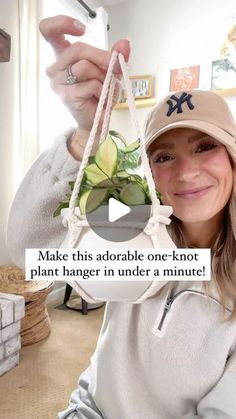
<point>160,214</point>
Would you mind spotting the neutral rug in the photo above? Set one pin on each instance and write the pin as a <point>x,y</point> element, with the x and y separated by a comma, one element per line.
<point>48,371</point>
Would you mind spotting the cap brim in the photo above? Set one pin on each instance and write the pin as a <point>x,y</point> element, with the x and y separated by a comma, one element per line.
<point>219,134</point>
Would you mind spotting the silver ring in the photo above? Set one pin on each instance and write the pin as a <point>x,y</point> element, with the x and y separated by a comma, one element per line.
<point>70,77</point>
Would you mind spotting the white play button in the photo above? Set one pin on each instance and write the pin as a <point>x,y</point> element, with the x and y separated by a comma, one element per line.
<point>116,216</point>
<point>116,210</point>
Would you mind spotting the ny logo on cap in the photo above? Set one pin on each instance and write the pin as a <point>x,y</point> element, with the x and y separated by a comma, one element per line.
<point>185,97</point>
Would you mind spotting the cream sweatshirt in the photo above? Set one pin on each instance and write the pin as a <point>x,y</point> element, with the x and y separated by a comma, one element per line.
<point>170,357</point>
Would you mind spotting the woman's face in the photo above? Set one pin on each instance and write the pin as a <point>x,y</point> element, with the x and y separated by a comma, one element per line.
<point>193,173</point>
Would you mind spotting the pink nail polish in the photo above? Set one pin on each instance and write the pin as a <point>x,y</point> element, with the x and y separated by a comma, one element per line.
<point>79,25</point>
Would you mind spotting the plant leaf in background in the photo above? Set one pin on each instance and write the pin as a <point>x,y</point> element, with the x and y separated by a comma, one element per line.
<point>129,161</point>
<point>122,174</point>
<point>118,135</point>
<point>114,171</point>
<point>106,156</point>
<point>133,194</point>
<point>89,202</point>
<point>132,147</point>
<point>94,175</point>
<point>60,207</point>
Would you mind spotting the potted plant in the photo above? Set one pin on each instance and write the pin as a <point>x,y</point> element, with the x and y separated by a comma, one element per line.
<point>114,171</point>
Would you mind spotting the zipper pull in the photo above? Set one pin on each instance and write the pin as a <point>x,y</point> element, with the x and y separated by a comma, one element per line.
<point>167,307</point>
<point>168,304</point>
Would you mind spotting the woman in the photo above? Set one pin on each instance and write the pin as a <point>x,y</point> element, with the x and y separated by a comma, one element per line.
<point>173,356</point>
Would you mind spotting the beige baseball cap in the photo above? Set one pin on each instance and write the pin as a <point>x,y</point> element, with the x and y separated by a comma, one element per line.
<point>197,109</point>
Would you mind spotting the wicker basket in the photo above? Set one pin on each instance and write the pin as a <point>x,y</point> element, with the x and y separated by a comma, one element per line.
<point>35,326</point>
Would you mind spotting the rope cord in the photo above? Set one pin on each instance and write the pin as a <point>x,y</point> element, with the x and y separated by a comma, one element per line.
<point>108,90</point>
<point>144,158</point>
<point>94,129</point>
<point>107,116</point>
<point>132,224</point>
<point>160,213</point>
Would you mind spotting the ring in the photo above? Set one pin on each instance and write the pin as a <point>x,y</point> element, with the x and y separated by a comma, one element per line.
<point>70,77</point>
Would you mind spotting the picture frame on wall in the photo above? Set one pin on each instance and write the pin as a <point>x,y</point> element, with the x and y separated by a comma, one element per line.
<point>185,75</point>
<point>142,88</point>
<point>223,76</point>
<point>184,78</point>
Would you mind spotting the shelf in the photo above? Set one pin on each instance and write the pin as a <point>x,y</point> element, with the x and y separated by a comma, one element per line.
<point>226,92</point>
<point>139,103</point>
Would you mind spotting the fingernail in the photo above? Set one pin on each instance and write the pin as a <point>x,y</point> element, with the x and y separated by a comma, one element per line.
<point>79,25</point>
<point>129,41</point>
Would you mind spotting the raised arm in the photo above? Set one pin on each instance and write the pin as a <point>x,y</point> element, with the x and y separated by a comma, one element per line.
<point>31,222</point>
<point>88,64</point>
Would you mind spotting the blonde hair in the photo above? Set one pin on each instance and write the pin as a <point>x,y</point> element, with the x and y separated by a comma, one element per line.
<point>223,252</point>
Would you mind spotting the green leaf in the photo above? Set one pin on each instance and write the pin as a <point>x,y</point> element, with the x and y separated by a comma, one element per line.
<point>83,201</point>
<point>148,197</point>
<point>71,183</point>
<point>106,156</point>
<point>60,207</point>
<point>94,175</point>
<point>122,174</point>
<point>112,172</point>
<point>136,178</point>
<point>132,147</point>
<point>133,194</point>
<point>131,161</point>
<point>116,134</point>
<point>114,194</point>
<point>90,200</point>
<point>111,183</point>
<point>91,159</point>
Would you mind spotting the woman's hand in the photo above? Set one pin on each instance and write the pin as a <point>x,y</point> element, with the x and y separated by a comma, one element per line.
<point>88,64</point>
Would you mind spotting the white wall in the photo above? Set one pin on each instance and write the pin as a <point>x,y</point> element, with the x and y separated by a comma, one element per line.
<point>175,31</point>
<point>8,84</point>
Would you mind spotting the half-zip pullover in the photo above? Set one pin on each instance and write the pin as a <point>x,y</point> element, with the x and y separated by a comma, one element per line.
<point>170,357</point>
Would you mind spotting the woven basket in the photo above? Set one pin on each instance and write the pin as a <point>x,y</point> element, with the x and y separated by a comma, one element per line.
<point>35,326</point>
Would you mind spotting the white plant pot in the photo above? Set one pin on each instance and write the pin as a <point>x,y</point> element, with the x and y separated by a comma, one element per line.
<point>133,291</point>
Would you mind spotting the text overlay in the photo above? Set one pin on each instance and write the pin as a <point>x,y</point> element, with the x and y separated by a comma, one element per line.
<point>118,264</point>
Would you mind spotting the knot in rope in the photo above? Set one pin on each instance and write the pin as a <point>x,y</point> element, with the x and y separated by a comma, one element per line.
<point>162,217</point>
<point>71,218</point>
